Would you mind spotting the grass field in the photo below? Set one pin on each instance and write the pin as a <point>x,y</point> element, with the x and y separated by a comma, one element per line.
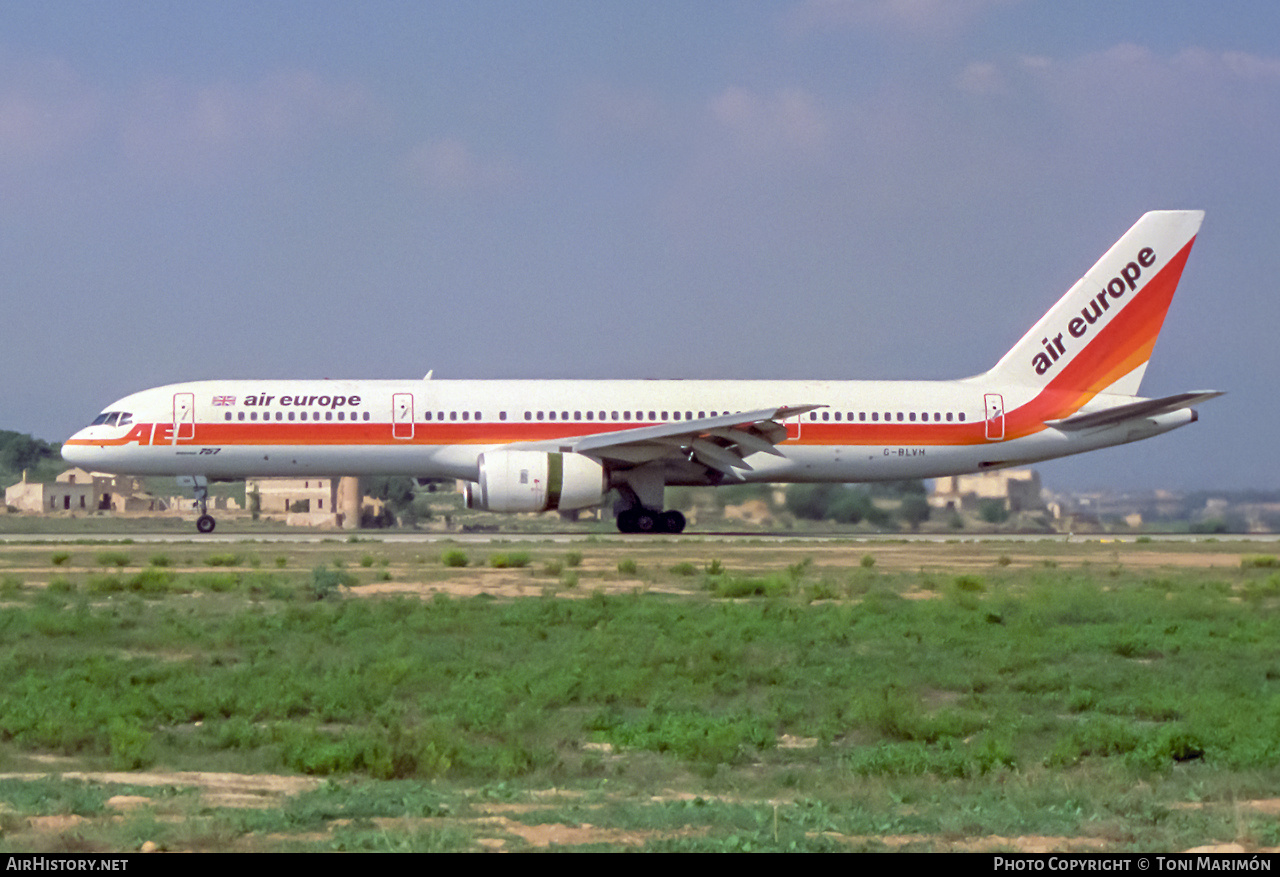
<point>673,694</point>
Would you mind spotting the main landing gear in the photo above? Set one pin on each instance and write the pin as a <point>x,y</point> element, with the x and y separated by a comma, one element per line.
<point>641,520</point>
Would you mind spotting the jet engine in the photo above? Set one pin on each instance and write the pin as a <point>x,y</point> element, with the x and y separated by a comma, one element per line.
<point>535,481</point>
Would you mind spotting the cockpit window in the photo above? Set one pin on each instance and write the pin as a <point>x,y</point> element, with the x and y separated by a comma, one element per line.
<point>113,418</point>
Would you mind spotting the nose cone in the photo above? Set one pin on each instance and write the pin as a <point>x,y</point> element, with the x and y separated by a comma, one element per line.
<point>79,450</point>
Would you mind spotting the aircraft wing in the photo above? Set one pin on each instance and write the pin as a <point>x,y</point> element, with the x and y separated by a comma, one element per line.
<point>1133,410</point>
<point>721,443</point>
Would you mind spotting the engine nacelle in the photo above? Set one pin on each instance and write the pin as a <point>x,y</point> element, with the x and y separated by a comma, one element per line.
<point>535,481</point>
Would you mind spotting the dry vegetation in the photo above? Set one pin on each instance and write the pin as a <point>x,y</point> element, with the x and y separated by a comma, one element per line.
<point>677,694</point>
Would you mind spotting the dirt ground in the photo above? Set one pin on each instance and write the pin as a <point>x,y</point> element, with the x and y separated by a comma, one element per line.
<point>493,824</point>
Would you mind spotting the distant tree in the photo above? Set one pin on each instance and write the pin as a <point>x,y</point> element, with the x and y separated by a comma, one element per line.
<point>397,494</point>
<point>830,502</point>
<point>993,511</point>
<point>914,510</point>
<point>20,451</point>
<point>898,488</point>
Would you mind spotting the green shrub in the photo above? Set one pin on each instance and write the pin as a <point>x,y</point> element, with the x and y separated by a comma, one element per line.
<point>744,586</point>
<point>627,566</point>
<point>100,583</point>
<point>1259,561</point>
<point>160,560</point>
<point>151,581</point>
<point>684,569</point>
<point>867,561</point>
<point>573,559</point>
<point>60,558</point>
<point>113,558</point>
<point>326,583</point>
<point>130,744</point>
<point>454,557</point>
<point>222,560</point>
<point>512,560</point>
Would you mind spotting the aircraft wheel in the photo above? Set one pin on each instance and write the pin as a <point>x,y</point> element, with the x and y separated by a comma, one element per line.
<point>672,522</point>
<point>627,521</point>
<point>646,521</point>
<point>205,523</point>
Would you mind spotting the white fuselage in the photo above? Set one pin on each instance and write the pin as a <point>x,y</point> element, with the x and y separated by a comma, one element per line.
<point>866,431</point>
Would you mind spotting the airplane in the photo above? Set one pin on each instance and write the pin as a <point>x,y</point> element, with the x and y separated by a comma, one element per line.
<point>1069,385</point>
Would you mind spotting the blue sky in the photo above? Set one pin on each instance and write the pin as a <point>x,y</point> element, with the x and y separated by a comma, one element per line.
<point>818,188</point>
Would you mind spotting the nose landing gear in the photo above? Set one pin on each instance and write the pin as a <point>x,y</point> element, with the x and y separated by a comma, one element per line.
<point>200,488</point>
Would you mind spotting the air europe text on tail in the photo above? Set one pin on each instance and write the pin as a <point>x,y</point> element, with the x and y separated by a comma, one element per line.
<point>1099,336</point>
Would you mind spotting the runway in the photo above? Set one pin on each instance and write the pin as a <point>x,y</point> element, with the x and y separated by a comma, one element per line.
<point>399,537</point>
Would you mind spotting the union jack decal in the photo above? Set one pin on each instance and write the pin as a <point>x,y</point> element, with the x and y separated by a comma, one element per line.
<point>224,400</point>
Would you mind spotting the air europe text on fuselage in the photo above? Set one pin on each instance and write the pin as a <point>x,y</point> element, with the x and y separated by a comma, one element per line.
<point>330,402</point>
<point>1078,327</point>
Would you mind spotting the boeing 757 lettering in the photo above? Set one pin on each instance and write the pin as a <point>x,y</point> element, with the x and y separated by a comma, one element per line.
<point>1069,385</point>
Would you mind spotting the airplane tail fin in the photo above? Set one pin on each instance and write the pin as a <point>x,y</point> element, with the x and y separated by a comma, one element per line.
<point>1099,336</point>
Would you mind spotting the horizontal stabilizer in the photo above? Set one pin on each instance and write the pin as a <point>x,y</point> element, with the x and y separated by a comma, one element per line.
<point>1132,410</point>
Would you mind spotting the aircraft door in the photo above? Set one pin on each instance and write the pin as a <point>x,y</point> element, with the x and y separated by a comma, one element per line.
<point>184,416</point>
<point>402,415</point>
<point>994,404</point>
